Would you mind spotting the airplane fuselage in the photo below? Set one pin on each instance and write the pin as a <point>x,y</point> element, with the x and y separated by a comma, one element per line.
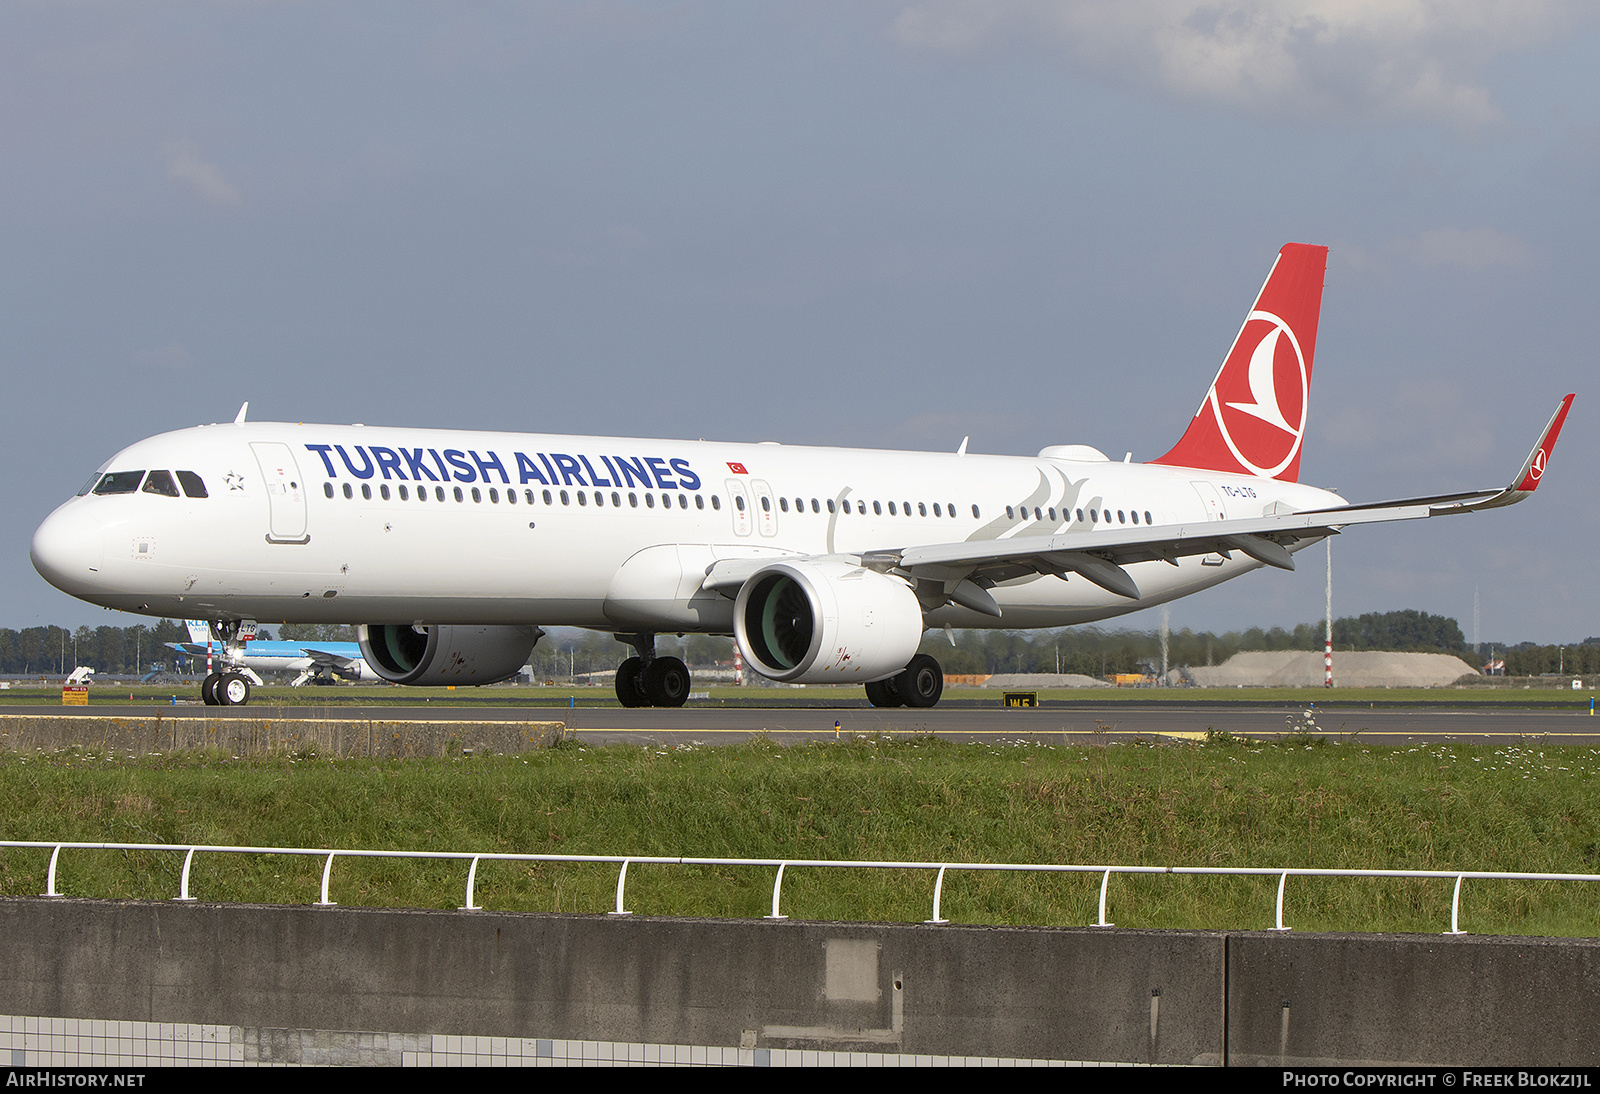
<point>319,523</point>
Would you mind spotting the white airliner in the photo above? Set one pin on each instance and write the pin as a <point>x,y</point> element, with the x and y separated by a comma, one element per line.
<point>826,565</point>
<point>242,654</point>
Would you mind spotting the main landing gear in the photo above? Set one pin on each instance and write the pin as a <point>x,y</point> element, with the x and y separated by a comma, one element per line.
<point>919,684</point>
<point>648,680</point>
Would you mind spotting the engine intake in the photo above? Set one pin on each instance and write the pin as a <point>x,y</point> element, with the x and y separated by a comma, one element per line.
<point>451,654</point>
<point>826,622</point>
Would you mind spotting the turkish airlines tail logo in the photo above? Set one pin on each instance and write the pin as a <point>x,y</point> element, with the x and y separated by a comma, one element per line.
<point>1253,420</point>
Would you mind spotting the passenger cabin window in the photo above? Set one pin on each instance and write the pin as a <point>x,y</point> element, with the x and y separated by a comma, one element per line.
<point>119,482</point>
<point>327,489</point>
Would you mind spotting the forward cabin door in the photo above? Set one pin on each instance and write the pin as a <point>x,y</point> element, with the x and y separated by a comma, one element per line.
<point>286,496</point>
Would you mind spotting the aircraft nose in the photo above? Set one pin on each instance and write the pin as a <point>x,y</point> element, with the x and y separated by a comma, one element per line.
<point>67,550</point>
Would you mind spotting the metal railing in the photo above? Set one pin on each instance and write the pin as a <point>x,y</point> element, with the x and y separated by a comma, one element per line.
<point>624,861</point>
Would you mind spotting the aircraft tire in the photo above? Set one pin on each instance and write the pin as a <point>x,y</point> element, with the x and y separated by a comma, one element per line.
<point>922,682</point>
<point>630,692</point>
<point>208,689</point>
<point>233,690</point>
<point>666,682</point>
<point>885,693</point>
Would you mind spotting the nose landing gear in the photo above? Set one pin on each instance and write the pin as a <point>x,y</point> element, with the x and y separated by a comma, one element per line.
<point>229,688</point>
<point>225,689</point>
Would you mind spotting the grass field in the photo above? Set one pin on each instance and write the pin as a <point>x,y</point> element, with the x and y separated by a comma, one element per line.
<point>1299,802</point>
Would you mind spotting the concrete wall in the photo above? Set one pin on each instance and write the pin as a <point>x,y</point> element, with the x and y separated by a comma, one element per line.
<point>1040,993</point>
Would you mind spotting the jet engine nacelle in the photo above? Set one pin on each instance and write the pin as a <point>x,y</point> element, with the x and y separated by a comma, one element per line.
<point>461,655</point>
<point>826,622</point>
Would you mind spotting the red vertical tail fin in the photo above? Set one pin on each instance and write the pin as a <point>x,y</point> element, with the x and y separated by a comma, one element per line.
<point>1253,420</point>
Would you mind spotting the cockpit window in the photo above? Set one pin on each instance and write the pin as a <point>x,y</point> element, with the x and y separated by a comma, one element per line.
<point>193,486</point>
<point>119,482</point>
<point>160,482</point>
<point>88,486</point>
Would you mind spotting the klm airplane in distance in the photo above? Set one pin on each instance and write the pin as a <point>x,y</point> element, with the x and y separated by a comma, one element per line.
<point>245,658</point>
<point>452,550</point>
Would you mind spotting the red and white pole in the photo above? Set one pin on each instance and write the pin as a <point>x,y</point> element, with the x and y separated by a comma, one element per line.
<point>1327,642</point>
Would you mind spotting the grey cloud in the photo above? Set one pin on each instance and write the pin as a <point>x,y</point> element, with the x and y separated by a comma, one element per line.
<point>1411,58</point>
<point>205,180</point>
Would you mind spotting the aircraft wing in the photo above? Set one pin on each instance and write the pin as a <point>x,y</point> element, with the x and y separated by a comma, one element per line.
<point>328,660</point>
<point>189,649</point>
<point>966,571</point>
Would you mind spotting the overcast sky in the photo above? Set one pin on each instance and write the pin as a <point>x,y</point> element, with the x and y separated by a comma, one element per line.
<point>879,224</point>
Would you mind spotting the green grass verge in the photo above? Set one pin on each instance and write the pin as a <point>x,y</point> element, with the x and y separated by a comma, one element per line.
<point>1298,802</point>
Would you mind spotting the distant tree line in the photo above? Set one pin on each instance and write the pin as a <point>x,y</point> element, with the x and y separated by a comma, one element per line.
<point>1088,650</point>
<point>53,651</point>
